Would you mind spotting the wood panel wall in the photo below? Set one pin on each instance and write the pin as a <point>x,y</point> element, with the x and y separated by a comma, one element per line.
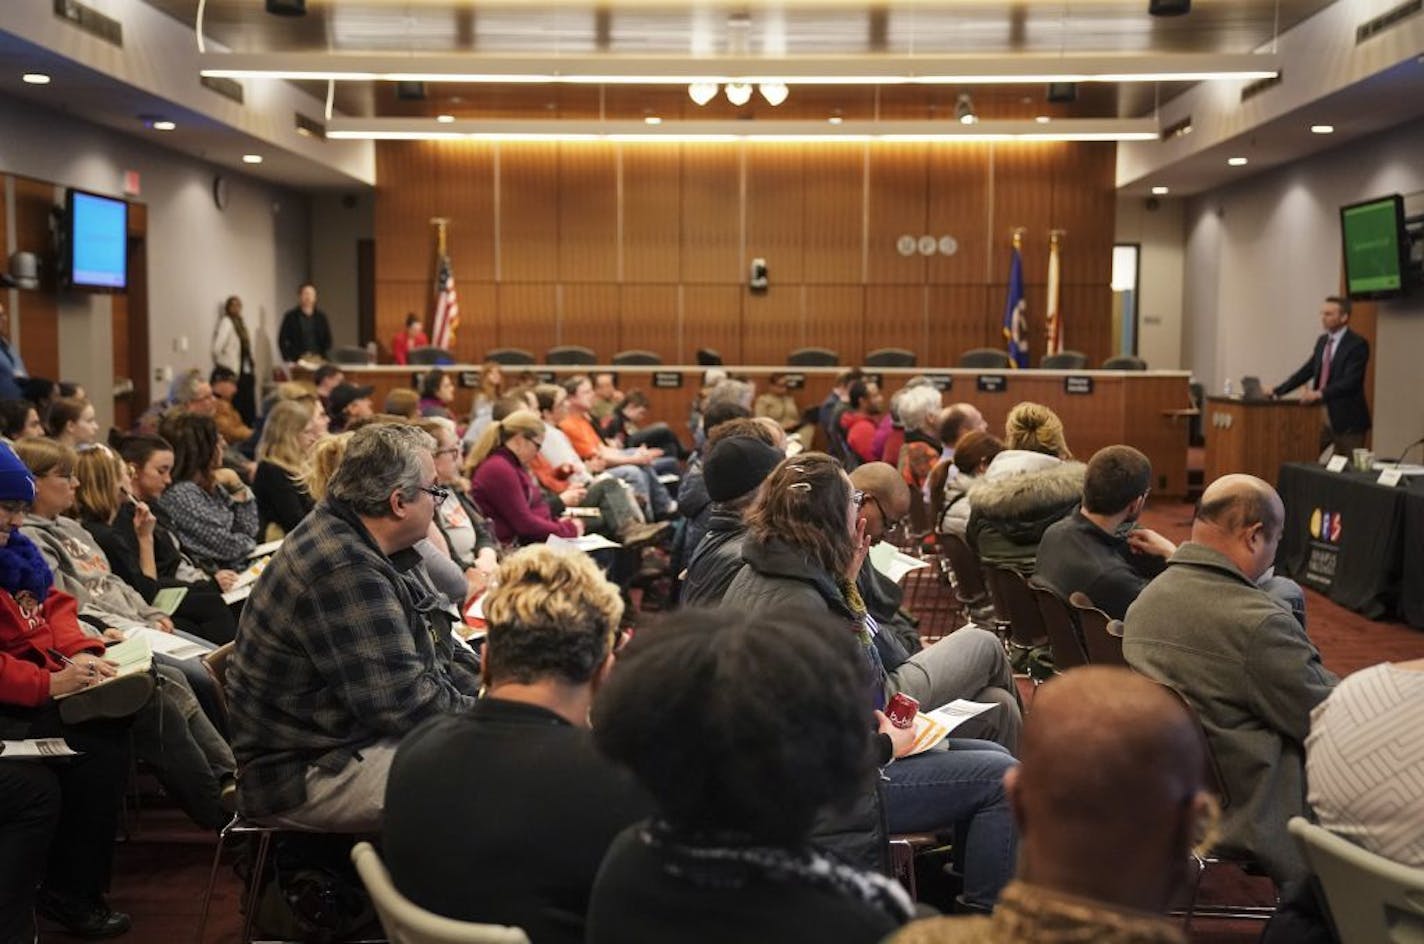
<point>648,245</point>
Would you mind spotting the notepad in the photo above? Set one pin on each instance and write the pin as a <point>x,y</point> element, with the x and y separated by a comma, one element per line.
<point>169,599</point>
<point>130,656</point>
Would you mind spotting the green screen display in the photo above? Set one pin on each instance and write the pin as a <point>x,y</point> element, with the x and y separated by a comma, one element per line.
<point>1371,234</point>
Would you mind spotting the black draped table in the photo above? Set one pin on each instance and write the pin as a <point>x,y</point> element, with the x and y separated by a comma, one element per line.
<point>1357,542</point>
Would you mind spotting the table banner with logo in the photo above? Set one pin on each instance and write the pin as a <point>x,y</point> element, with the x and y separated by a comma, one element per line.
<point>1344,537</point>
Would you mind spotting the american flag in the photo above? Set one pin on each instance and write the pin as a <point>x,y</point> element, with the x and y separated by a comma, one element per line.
<point>447,307</point>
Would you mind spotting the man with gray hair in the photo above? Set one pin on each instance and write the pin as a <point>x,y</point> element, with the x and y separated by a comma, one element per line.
<point>344,645</point>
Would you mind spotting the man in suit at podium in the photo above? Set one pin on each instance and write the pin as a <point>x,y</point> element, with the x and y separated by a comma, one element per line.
<point>1335,375</point>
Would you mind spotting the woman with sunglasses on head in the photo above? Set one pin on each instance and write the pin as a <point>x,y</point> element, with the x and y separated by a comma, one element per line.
<point>804,548</point>
<point>208,508</point>
<point>504,488</point>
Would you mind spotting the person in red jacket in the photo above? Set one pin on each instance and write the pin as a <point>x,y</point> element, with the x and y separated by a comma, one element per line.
<point>503,487</point>
<point>57,820</point>
<point>412,337</point>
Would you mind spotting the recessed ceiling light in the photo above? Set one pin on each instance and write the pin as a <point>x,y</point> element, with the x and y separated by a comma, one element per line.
<point>1159,191</point>
<point>1236,161</point>
<point>1322,129</point>
<point>163,126</point>
<point>252,158</point>
<point>445,119</point>
<point>1042,119</point>
<point>834,120</point>
<point>35,78</point>
<point>652,120</point>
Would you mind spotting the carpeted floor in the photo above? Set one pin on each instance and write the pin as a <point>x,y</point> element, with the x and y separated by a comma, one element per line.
<point>161,871</point>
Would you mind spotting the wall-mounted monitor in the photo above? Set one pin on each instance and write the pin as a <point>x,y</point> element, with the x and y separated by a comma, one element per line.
<point>96,239</point>
<point>1376,248</point>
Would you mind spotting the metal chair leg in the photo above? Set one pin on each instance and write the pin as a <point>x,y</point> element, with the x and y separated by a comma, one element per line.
<point>254,884</point>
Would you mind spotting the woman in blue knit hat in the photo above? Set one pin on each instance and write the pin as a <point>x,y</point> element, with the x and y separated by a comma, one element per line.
<point>57,820</point>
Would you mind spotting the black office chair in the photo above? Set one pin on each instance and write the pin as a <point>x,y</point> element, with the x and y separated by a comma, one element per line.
<point>709,357</point>
<point>1065,360</point>
<point>636,359</point>
<point>351,356</point>
<point>890,357</point>
<point>429,356</point>
<point>1124,362</point>
<point>510,355</point>
<point>570,354</point>
<point>984,357</point>
<point>813,357</point>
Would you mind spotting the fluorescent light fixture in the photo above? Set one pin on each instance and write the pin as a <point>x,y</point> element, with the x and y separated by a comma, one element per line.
<point>1322,129</point>
<point>702,92</point>
<point>35,78</point>
<point>445,119</point>
<point>1236,161</point>
<point>774,92</point>
<point>848,69</point>
<point>1160,191</point>
<point>163,126</point>
<point>416,129</point>
<point>252,158</point>
<point>738,93</point>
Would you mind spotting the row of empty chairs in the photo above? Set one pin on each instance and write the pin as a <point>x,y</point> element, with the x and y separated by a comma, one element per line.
<point>575,355</point>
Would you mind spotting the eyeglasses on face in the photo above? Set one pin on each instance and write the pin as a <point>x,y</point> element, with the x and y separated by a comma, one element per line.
<point>437,493</point>
<point>447,451</point>
<point>890,523</point>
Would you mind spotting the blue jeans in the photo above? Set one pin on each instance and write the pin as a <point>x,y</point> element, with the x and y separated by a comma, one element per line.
<point>962,788</point>
<point>644,481</point>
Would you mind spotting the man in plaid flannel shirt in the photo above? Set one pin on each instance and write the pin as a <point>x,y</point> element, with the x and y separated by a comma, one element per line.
<point>345,645</point>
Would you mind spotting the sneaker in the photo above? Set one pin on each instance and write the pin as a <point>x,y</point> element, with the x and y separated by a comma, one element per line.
<point>86,919</point>
<point>119,698</point>
<point>639,535</point>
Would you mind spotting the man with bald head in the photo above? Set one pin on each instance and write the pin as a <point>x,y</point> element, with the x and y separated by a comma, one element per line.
<point>1242,660</point>
<point>1095,864</point>
<point>957,419</point>
<point>968,663</point>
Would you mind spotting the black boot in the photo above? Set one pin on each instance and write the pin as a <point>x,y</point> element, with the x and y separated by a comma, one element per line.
<point>87,919</point>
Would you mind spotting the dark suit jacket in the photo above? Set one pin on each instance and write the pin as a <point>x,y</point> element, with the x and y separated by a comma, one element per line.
<point>289,335</point>
<point>1344,395</point>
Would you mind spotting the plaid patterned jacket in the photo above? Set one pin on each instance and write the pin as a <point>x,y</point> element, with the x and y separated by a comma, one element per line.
<point>339,646</point>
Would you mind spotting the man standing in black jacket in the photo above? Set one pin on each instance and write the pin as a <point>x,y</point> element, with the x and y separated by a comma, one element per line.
<point>1335,374</point>
<point>304,329</point>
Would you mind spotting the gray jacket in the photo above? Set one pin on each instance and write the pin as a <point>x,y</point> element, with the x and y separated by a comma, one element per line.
<point>82,571</point>
<point>1247,667</point>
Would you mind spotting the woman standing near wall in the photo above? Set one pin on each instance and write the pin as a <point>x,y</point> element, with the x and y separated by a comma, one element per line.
<point>232,348</point>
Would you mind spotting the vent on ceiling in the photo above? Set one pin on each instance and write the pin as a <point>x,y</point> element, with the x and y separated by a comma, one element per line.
<point>227,88</point>
<point>1261,85</point>
<point>1177,129</point>
<point>310,127</point>
<point>90,21</point>
<point>1387,20</point>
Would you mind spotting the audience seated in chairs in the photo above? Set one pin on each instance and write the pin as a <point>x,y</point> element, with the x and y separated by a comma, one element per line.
<point>1109,802</point>
<point>920,450</point>
<point>125,530</point>
<point>972,455</point>
<point>58,817</point>
<point>403,403</point>
<point>208,508</point>
<point>437,392</point>
<point>71,422</point>
<point>859,420</point>
<point>638,467</point>
<point>502,814</point>
<point>956,420</point>
<point>1245,664</point>
<point>503,487</point>
<point>19,420</point>
<point>737,463</point>
<point>606,396</point>
<point>779,405</point>
<point>627,427</point>
<point>721,419</point>
<point>345,646</point>
<point>1362,760</point>
<point>742,727</point>
<point>283,454</point>
<point>804,549</point>
<point>829,413</point>
<point>223,384</point>
<point>172,732</point>
<point>968,663</point>
<point>1027,487</point>
<point>349,403</point>
<point>491,388</point>
<point>468,535</point>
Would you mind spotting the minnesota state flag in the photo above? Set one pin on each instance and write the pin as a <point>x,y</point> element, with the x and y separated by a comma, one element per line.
<point>1015,310</point>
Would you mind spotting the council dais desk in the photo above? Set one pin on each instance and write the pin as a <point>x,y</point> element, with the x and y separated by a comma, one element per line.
<point>1098,407</point>
<point>1358,542</point>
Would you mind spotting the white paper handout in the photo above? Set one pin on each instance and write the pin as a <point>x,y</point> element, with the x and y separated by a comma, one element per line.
<point>36,748</point>
<point>167,643</point>
<point>892,562</point>
<point>265,549</point>
<point>585,543</point>
<point>934,726</point>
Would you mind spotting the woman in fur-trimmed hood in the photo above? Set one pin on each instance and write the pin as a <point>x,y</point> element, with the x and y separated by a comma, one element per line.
<point>1027,487</point>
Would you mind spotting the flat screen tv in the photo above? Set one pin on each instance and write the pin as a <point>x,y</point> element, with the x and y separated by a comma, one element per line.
<point>1376,248</point>
<point>97,238</point>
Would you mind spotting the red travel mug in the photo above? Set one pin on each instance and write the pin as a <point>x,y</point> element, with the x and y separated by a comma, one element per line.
<point>901,710</point>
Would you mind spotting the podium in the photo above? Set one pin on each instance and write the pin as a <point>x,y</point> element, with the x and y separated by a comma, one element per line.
<point>1257,436</point>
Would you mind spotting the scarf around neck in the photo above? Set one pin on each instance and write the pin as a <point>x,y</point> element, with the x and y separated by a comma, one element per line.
<point>23,567</point>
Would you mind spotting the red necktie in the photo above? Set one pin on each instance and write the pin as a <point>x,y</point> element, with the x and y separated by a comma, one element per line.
<point>1325,364</point>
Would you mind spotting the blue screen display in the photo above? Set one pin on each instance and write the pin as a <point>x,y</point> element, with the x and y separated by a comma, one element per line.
<point>98,241</point>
